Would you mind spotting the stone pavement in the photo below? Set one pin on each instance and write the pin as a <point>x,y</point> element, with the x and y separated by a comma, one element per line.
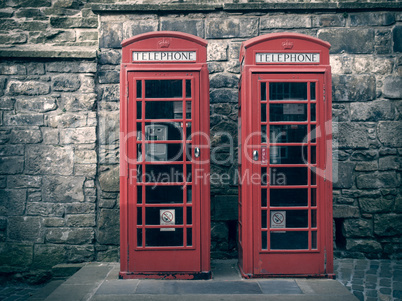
<point>368,280</point>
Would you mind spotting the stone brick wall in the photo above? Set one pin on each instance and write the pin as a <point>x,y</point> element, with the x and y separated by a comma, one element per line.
<point>59,119</point>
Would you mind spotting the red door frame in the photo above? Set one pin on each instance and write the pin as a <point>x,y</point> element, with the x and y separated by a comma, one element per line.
<point>282,263</point>
<point>156,263</point>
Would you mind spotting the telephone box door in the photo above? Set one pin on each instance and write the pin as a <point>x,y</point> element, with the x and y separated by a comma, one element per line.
<point>165,207</point>
<point>289,153</point>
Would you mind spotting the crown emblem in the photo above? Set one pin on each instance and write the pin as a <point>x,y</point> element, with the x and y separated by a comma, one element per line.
<point>287,44</point>
<point>164,43</point>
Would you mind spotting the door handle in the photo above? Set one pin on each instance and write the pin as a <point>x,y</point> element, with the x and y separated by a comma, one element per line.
<point>196,152</point>
<point>255,155</point>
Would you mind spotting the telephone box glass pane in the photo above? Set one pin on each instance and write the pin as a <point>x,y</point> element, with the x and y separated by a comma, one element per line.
<point>189,174</point>
<point>313,197</point>
<point>153,216</point>
<point>263,91</point>
<point>188,88</point>
<point>312,91</point>
<point>189,237</point>
<point>166,109</point>
<point>164,152</point>
<point>164,173</point>
<point>263,112</point>
<point>139,215</point>
<point>166,88</point>
<point>288,176</point>
<point>288,133</point>
<point>314,218</point>
<point>139,194</point>
<point>287,155</point>
<point>139,237</point>
<point>139,89</point>
<point>292,218</point>
<point>139,109</point>
<point>263,197</point>
<point>264,219</point>
<point>313,155</point>
<point>158,238</point>
<point>314,240</point>
<point>189,194</point>
<point>263,134</point>
<point>312,112</point>
<point>189,215</point>
<point>264,240</point>
<point>163,131</point>
<point>288,91</point>
<point>288,112</point>
<point>289,240</point>
<point>288,197</point>
<point>164,194</point>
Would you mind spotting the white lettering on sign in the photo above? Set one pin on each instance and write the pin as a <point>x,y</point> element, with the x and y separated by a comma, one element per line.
<point>287,58</point>
<point>164,56</point>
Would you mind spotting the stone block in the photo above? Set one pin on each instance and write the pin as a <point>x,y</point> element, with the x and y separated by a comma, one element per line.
<point>71,67</point>
<point>225,207</point>
<point>372,111</point>
<point>78,135</point>
<point>9,25</point>
<point>40,105</point>
<point>363,245</point>
<point>397,37</point>
<point>345,211</point>
<point>87,170</point>
<point>15,257</point>
<point>354,135</point>
<point>13,38</point>
<point>33,13</point>
<point>109,77</point>
<point>71,236</point>
<point>63,189</point>
<point>383,41</point>
<point>13,201</point>
<point>375,205</point>
<point>12,68</point>
<point>341,112</point>
<point>372,19</point>
<point>109,128</point>
<point>87,35</point>
<point>11,165</point>
<point>77,103</point>
<point>23,119</point>
<point>7,103</point>
<point>30,88</point>
<point>84,253</point>
<point>73,22</point>
<point>348,88</point>
<point>85,156</point>
<point>389,163</point>
<point>109,179</point>
<point>389,133</point>
<point>80,208</point>
<point>219,28</point>
<point>358,41</point>
<point>66,83</point>
<point>364,155</point>
<point>28,3</point>
<point>24,181</point>
<point>67,120</point>
<point>134,27</point>
<point>109,227</point>
<point>392,87</point>
<point>110,92</point>
<point>377,180</point>
<point>3,223</point>
<point>367,166</point>
<point>388,224</point>
<point>224,96</point>
<point>109,57</point>
<point>285,21</point>
<point>217,51</point>
<point>81,220</point>
<point>11,150</point>
<point>50,136</point>
<point>358,228</point>
<point>191,26</point>
<point>345,175</point>
<point>111,34</point>
<point>222,80</point>
<point>25,136</point>
<point>53,222</point>
<point>46,256</point>
<point>328,20</point>
<point>214,67</point>
<point>46,159</point>
<point>25,228</point>
<point>45,209</point>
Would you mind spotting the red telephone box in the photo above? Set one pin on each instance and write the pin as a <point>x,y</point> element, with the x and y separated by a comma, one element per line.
<point>164,157</point>
<point>285,161</point>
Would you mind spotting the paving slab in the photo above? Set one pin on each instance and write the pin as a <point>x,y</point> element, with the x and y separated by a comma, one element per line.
<point>99,282</point>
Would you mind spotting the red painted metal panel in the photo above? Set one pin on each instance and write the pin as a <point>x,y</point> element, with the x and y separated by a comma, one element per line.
<point>165,224</point>
<point>290,239</point>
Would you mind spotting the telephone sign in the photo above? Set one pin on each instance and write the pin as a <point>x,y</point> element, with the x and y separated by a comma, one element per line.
<point>285,219</point>
<point>164,209</point>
